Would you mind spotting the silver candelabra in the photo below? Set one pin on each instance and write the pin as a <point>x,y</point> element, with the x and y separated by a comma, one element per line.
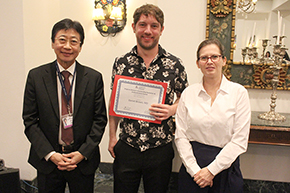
<point>278,51</point>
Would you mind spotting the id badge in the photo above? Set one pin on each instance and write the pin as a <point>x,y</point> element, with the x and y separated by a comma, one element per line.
<point>67,121</point>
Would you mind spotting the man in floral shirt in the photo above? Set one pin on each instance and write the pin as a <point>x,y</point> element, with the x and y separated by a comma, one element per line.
<point>145,149</point>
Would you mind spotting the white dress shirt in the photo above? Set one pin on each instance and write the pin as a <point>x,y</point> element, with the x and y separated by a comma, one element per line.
<point>71,69</point>
<point>225,123</point>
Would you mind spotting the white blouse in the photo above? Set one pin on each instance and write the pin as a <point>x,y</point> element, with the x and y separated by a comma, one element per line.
<point>224,124</point>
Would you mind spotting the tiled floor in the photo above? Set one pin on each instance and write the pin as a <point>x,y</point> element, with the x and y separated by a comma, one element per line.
<point>258,186</point>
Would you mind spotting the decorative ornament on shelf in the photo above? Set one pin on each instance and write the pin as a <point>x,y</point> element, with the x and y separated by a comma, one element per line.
<point>270,72</point>
<point>246,6</point>
<point>279,52</point>
<point>110,16</point>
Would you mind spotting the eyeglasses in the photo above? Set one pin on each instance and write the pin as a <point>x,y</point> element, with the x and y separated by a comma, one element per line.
<point>214,58</point>
<point>63,41</point>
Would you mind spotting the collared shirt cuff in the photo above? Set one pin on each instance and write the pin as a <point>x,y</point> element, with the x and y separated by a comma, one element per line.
<point>213,168</point>
<point>49,155</point>
<point>193,170</point>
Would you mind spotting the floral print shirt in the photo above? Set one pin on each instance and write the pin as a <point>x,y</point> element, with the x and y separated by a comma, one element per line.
<point>164,68</point>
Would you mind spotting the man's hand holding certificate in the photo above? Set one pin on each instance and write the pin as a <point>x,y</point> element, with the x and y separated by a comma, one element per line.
<point>162,111</point>
<point>132,98</point>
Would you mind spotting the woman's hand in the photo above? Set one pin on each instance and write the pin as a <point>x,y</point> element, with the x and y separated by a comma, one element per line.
<point>204,178</point>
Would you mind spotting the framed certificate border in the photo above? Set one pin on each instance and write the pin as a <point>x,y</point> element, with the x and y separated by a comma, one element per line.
<point>121,81</point>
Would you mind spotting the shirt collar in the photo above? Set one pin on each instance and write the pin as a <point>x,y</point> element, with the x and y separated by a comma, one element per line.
<point>71,69</point>
<point>223,87</point>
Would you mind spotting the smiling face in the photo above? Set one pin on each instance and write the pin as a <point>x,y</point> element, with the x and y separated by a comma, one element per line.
<point>208,67</point>
<point>65,48</point>
<point>148,31</point>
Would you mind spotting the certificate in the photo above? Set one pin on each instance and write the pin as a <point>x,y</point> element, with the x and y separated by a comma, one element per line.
<point>132,97</point>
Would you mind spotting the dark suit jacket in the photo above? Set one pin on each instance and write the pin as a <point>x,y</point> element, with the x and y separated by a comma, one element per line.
<point>41,116</point>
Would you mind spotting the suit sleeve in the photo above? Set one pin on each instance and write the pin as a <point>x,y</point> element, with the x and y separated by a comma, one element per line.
<point>30,116</point>
<point>99,119</point>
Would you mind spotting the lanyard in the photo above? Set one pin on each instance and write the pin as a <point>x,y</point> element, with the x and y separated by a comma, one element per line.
<point>67,96</point>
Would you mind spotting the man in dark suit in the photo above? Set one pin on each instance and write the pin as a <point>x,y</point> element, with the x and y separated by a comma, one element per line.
<point>52,108</point>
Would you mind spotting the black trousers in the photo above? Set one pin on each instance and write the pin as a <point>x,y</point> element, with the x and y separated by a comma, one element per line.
<point>55,182</point>
<point>153,165</point>
<point>227,181</point>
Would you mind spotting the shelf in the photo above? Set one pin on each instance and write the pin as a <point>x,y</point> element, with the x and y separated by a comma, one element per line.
<point>269,132</point>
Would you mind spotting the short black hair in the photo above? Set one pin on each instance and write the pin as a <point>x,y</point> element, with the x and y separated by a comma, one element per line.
<point>68,24</point>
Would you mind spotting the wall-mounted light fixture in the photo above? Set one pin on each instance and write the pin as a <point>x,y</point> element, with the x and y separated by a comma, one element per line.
<point>110,16</point>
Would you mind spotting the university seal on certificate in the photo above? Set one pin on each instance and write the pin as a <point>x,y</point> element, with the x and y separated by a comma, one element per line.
<point>132,97</point>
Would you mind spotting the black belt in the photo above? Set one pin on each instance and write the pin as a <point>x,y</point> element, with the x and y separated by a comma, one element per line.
<point>66,148</point>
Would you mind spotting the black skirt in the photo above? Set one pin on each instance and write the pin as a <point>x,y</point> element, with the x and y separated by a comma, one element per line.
<point>227,181</point>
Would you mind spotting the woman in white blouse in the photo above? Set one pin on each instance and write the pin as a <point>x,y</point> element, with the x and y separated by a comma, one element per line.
<point>212,127</point>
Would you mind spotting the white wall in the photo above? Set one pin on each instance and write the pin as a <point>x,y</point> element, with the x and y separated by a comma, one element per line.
<point>13,143</point>
<point>25,39</point>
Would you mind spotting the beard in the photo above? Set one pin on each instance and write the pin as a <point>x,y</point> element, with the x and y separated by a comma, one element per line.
<point>147,46</point>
